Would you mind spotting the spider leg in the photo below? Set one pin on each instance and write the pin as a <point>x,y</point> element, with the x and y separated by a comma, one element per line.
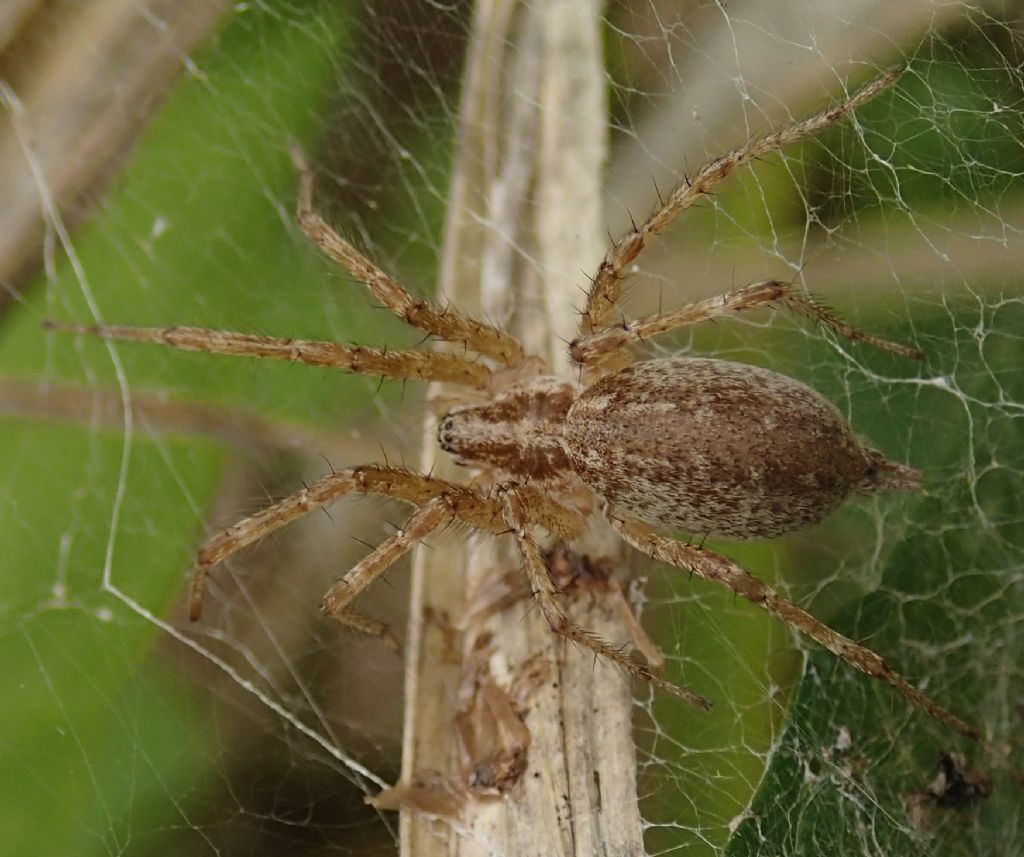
<point>385,481</point>
<point>546,593</point>
<point>644,644</point>
<point>464,503</point>
<point>370,628</point>
<point>420,524</point>
<point>716,568</point>
<point>609,342</point>
<point>417,527</point>
<point>418,365</point>
<point>569,570</point>
<point>543,510</point>
<point>444,322</point>
<point>607,283</point>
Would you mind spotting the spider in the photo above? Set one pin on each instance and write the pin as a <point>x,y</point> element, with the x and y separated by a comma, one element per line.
<point>684,444</point>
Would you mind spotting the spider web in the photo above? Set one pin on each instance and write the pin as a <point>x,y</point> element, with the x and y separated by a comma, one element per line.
<point>127,731</point>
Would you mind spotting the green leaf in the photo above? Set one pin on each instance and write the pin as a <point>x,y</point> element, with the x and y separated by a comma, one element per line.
<point>855,757</point>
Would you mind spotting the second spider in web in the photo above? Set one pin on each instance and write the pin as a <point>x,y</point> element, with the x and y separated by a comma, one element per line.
<point>682,444</point>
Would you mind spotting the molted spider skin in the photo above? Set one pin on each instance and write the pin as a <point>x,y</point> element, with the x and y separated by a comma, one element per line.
<point>715,447</point>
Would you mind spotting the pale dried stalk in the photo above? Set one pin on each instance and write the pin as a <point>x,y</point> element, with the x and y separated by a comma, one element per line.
<point>524,220</point>
<point>89,76</point>
<point>162,414</point>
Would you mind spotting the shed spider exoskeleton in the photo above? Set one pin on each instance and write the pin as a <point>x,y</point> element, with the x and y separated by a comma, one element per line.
<point>698,445</point>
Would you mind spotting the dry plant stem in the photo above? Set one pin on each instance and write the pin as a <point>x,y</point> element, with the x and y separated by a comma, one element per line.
<point>445,322</point>
<point>517,175</point>
<point>544,591</point>
<point>415,365</point>
<point>163,414</point>
<point>607,283</point>
<point>716,568</point>
<point>609,343</point>
<point>87,78</point>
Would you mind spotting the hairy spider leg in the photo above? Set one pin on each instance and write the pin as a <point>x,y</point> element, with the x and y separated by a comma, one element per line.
<point>385,481</point>
<point>441,509</point>
<point>606,285</point>
<point>718,569</point>
<point>565,577</point>
<point>609,342</point>
<point>446,323</point>
<point>417,527</point>
<point>641,639</point>
<point>464,503</point>
<point>359,359</point>
<point>371,628</point>
<point>546,593</point>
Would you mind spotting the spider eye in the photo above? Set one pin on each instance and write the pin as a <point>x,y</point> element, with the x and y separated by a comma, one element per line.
<point>444,433</point>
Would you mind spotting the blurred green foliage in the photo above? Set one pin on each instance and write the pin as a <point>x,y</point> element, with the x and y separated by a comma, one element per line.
<point>101,752</point>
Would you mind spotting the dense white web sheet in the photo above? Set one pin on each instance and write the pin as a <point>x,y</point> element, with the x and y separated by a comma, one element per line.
<point>262,730</point>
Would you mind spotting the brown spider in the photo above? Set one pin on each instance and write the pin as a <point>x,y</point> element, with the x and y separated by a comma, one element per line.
<point>698,445</point>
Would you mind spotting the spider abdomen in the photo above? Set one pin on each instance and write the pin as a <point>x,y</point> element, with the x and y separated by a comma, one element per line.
<point>711,446</point>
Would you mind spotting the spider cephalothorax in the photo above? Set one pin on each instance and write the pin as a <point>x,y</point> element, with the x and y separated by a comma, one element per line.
<point>697,445</point>
<point>519,431</point>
